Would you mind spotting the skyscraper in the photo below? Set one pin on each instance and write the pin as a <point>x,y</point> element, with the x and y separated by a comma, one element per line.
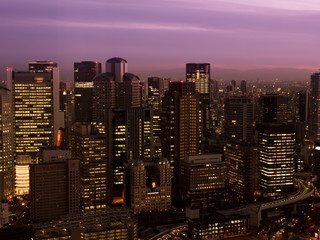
<point>180,124</point>
<point>315,106</point>
<point>129,136</point>
<point>36,115</point>
<point>276,146</point>
<point>304,106</point>
<point>89,147</point>
<point>241,171</point>
<point>84,72</point>
<point>239,119</point>
<point>273,108</point>
<point>156,91</point>
<point>243,87</point>
<point>127,92</point>
<point>203,179</point>
<point>116,89</point>
<point>54,189</point>
<point>199,73</point>
<point>6,142</point>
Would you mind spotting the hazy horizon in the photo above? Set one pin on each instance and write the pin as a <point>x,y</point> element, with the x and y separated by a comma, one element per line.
<point>178,73</point>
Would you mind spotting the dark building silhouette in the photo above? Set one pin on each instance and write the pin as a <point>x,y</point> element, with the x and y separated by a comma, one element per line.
<point>129,136</point>
<point>315,106</point>
<point>199,73</point>
<point>6,144</point>
<point>156,90</point>
<point>54,189</point>
<point>243,87</point>
<point>273,108</point>
<point>180,124</point>
<point>241,171</point>
<point>304,106</point>
<point>239,119</point>
<point>84,72</point>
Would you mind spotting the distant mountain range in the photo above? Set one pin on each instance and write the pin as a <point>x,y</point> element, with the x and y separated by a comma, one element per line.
<point>252,75</point>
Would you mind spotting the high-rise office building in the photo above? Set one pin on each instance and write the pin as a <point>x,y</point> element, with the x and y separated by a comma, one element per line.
<point>67,107</point>
<point>54,189</point>
<point>199,73</point>
<point>203,179</point>
<point>116,89</point>
<point>149,185</point>
<point>241,161</point>
<point>6,142</point>
<point>239,119</point>
<point>304,106</point>
<point>4,206</point>
<point>273,108</point>
<point>42,66</point>
<point>128,92</point>
<point>233,84</point>
<point>180,124</point>
<point>118,66</point>
<point>36,115</point>
<point>315,157</point>
<point>129,136</point>
<point>276,146</point>
<point>315,106</point>
<point>243,87</point>
<point>156,91</point>
<point>89,147</point>
<point>84,72</point>
<point>103,97</point>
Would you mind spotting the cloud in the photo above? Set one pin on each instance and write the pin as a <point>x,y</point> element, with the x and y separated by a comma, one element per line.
<point>122,25</point>
<point>305,5</point>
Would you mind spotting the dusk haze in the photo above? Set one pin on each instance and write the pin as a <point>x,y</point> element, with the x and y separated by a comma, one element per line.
<point>161,35</point>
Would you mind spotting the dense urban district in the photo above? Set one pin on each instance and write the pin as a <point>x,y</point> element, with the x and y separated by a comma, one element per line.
<point>113,156</point>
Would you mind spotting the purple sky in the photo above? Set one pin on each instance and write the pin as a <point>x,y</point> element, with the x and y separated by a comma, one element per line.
<point>162,34</point>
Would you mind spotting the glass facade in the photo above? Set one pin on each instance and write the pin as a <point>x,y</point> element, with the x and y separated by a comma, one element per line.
<point>33,120</point>
<point>276,144</point>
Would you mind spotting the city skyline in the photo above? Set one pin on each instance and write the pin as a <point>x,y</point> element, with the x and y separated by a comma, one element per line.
<point>160,37</point>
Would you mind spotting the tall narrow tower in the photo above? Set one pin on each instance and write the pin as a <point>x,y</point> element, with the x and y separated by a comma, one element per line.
<point>315,106</point>
<point>6,143</point>
<point>180,124</point>
<point>199,73</point>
